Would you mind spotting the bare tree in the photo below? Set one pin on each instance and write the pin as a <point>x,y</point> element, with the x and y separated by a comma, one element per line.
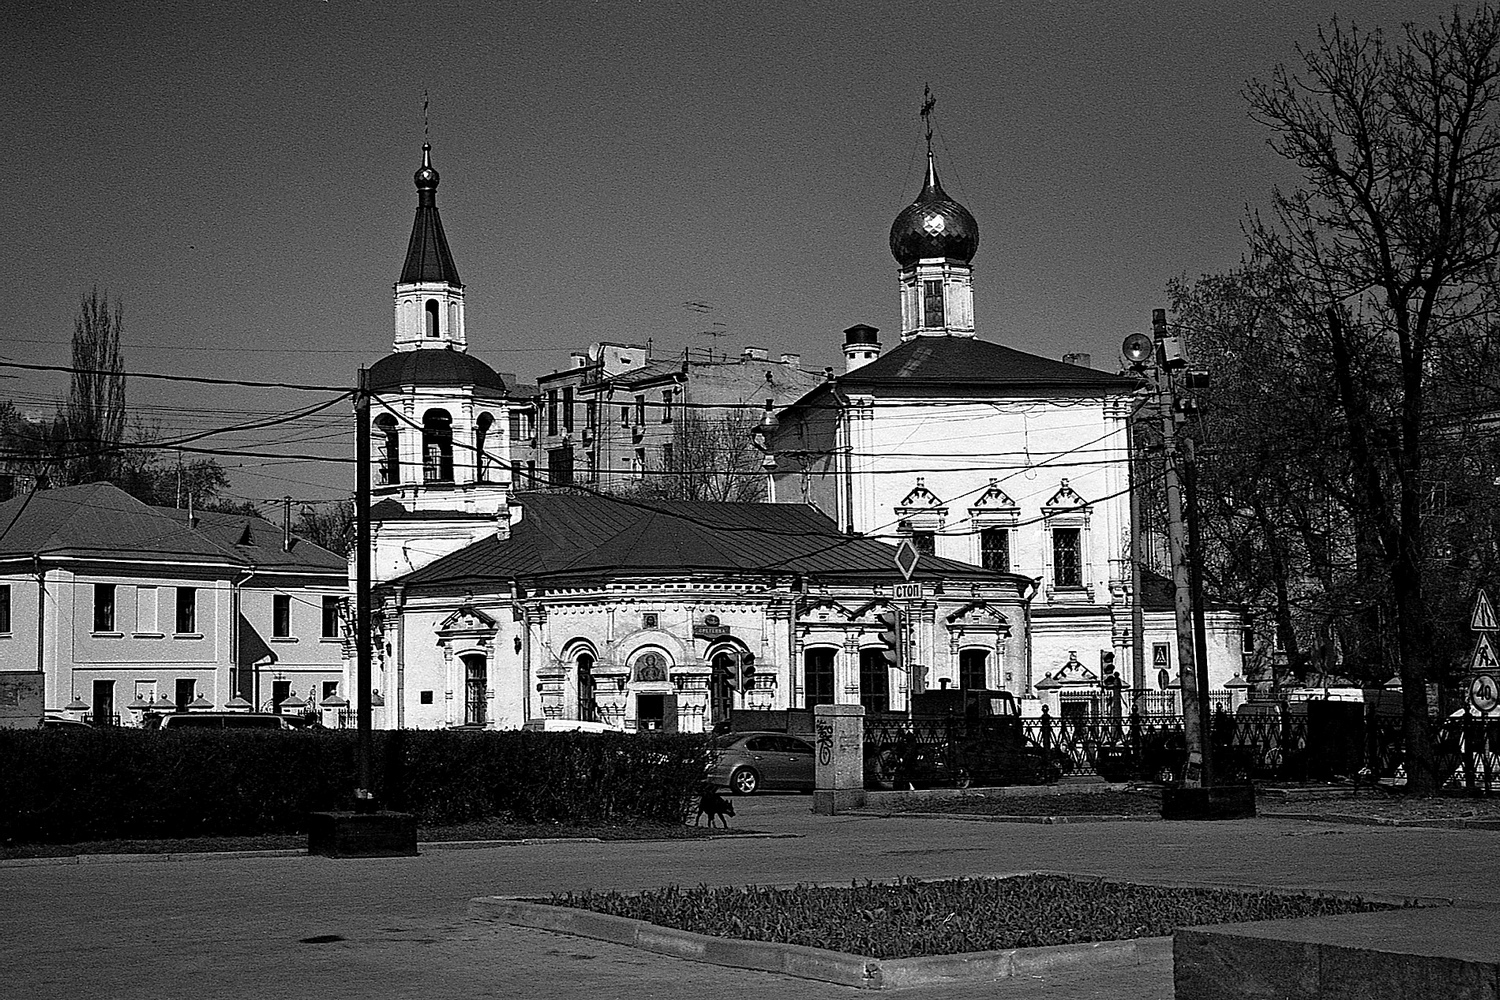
<point>711,459</point>
<point>94,415</point>
<point>1390,242</point>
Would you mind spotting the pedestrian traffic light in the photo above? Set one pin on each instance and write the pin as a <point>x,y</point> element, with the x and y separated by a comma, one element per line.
<point>890,635</point>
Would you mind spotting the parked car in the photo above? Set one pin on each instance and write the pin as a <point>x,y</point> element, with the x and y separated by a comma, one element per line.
<point>222,720</point>
<point>62,722</point>
<point>747,763</point>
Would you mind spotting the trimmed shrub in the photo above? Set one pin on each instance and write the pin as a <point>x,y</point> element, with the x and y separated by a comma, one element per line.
<point>59,786</point>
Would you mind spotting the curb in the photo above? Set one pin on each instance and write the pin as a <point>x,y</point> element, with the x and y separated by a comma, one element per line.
<point>1035,820</point>
<point>1354,820</point>
<point>819,963</point>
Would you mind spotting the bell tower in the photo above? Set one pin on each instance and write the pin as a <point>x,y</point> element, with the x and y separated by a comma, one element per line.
<point>429,293</point>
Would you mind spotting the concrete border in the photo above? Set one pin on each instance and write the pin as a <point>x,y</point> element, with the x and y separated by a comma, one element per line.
<point>818,963</point>
<point>990,818</point>
<point>1433,823</point>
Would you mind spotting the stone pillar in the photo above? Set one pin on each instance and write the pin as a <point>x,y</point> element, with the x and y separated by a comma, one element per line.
<point>839,758</point>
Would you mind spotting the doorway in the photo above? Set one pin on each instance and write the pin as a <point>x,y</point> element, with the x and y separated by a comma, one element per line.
<point>656,713</point>
<point>104,703</point>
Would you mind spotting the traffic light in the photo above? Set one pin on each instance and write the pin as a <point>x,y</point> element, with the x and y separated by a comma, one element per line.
<point>742,675</point>
<point>890,635</point>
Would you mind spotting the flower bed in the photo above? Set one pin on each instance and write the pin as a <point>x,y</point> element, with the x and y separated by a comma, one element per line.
<point>911,918</point>
<point>1063,804</point>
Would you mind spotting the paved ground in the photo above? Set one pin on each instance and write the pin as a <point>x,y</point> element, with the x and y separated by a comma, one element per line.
<point>235,927</point>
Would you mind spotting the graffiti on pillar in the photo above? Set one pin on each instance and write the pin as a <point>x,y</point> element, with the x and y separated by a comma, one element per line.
<point>825,741</point>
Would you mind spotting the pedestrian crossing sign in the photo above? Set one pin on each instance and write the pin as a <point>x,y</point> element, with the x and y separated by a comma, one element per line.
<point>1484,660</point>
<point>1483,619</point>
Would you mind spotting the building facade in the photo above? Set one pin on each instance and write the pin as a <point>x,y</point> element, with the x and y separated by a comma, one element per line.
<point>118,608</point>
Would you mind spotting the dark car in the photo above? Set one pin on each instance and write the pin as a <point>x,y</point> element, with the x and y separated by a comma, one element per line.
<point>747,763</point>
<point>62,722</point>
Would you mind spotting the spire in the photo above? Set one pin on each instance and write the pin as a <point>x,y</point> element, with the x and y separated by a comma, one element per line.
<point>428,258</point>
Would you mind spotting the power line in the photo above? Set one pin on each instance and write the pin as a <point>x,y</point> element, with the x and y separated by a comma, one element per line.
<point>200,379</point>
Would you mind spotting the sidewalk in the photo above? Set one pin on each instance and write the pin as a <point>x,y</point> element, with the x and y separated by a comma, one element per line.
<point>235,927</point>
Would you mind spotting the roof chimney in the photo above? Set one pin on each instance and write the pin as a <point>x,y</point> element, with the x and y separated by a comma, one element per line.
<point>791,359</point>
<point>755,354</point>
<point>1081,360</point>
<point>861,346</point>
<point>580,360</point>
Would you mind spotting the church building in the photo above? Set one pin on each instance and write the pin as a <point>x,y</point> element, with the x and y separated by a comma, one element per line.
<point>992,456</point>
<point>497,608</point>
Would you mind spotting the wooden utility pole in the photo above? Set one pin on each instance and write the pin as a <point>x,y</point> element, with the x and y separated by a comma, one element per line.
<point>1187,660</point>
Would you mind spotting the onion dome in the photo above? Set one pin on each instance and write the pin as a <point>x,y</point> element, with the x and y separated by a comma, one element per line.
<point>428,258</point>
<point>933,226</point>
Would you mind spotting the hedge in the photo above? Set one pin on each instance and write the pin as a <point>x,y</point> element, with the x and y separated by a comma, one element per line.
<point>64,786</point>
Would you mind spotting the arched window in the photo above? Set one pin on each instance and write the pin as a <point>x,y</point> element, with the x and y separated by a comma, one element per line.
<point>818,677</point>
<point>432,317</point>
<point>437,447</point>
<point>973,669</point>
<point>476,680</point>
<point>483,461</point>
<point>588,705</point>
<point>874,680</point>
<point>387,451</point>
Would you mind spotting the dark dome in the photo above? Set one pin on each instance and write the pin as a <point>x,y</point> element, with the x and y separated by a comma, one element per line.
<point>934,226</point>
<point>432,368</point>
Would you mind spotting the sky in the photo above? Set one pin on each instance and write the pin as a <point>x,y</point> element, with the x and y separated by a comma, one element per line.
<point>239,176</point>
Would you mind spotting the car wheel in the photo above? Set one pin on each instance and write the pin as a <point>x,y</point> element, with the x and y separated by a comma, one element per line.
<point>962,778</point>
<point>744,781</point>
<point>880,770</point>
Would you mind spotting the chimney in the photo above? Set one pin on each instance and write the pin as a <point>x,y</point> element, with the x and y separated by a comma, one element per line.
<point>755,354</point>
<point>861,346</point>
<point>580,360</point>
<point>286,524</point>
<point>1081,360</point>
<point>791,359</point>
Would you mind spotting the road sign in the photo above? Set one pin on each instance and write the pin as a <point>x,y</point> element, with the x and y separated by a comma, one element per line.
<point>1484,660</point>
<point>906,558</point>
<point>1483,619</point>
<point>1484,693</point>
<point>908,591</point>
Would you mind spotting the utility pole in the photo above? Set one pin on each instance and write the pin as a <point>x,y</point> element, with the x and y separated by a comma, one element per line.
<point>1158,357</point>
<point>1137,553</point>
<point>364,796</point>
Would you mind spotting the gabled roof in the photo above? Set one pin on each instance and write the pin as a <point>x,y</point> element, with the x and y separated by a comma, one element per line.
<point>598,536</point>
<point>651,371</point>
<point>102,521</point>
<point>98,520</point>
<point>255,540</point>
<point>969,362</point>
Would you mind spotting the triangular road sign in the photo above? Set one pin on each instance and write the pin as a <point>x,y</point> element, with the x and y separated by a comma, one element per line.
<point>1483,619</point>
<point>1484,660</point>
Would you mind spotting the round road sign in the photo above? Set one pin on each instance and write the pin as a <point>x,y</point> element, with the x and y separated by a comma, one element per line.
<point>1484,693</point>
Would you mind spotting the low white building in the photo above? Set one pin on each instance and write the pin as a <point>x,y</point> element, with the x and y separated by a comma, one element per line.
<point>665,616</point>
<point>108,605</point>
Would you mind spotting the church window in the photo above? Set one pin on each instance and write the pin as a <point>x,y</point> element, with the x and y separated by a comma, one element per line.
<point>818,677</point>
<point>476,681</point>
<point>932,303</point>
<point>484,462</point>
<point>874,680</point>
<point>924,542</point>
<point>387,451</point>
<point>588,705</point>
<point>972,669</point>
<point>432,317</point>
<point>1067,564</point>
<point>994,549</point>
<point>437,447</point>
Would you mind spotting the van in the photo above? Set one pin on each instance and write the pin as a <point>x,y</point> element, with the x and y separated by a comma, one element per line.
<point>222,720</point>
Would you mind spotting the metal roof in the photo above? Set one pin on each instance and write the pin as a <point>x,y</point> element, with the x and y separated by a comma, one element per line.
<point>562,535</point>
<point>434,368</point>
<point>967,361</point>
<point>427,255</point>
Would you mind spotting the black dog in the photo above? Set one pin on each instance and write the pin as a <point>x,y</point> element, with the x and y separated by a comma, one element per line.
<point>712,804</point>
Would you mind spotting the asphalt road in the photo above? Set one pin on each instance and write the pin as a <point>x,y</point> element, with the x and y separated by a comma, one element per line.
<point>238,927</point>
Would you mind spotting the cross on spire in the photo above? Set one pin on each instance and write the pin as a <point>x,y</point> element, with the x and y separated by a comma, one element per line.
<point>928,103</point>
<point>425,137</point>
